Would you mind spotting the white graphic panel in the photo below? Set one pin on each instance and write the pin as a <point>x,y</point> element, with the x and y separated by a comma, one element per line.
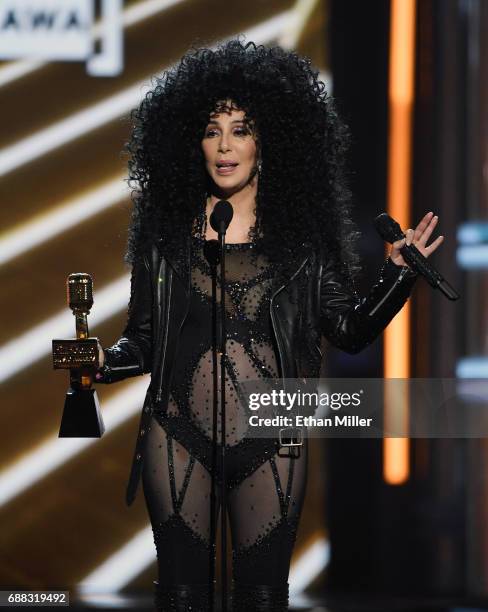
<point>46,29</point>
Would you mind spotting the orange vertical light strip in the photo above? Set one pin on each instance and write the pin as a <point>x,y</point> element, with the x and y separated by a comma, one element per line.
<point>397,335</point>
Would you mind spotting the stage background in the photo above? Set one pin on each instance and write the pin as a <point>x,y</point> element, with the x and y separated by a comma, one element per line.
<point>65,208</point>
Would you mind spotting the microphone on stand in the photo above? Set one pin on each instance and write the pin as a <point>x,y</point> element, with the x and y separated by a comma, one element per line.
<point>391,231</point>
<point>221,216</point>
<point>219,220</point>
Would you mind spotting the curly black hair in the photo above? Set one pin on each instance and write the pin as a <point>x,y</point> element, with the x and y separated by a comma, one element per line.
<point>302,189</point>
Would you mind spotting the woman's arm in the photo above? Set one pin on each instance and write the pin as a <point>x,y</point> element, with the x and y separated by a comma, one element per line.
<point>351,323</point>
<point>131,354</point>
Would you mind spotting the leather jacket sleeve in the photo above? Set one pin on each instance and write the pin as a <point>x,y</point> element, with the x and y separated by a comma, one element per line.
<point>350,322</point>
<point>131,354</point>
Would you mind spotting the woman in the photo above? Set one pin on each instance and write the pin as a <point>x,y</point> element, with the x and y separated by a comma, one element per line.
<point>254,126</point>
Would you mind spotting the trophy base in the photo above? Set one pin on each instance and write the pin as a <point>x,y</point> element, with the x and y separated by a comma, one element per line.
<point>81,415</point>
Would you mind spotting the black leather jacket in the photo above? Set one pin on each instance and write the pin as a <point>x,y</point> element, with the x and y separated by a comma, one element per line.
<point>312,302</point>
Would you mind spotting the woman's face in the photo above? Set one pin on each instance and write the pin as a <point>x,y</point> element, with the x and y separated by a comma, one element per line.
<point>230,151</point>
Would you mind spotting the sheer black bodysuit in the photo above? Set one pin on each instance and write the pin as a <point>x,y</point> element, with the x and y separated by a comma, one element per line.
<point>265,491</point>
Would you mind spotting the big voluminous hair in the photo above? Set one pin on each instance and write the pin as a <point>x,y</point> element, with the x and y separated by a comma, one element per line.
<point>302,189</point>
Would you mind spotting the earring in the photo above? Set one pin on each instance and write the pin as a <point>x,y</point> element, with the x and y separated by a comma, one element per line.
<point>260,166</point>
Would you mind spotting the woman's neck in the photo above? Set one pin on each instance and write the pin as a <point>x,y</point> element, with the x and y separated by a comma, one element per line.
<point>244,204</point>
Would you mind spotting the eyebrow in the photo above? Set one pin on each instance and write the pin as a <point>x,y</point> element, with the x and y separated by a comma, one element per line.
<point>216,121</point>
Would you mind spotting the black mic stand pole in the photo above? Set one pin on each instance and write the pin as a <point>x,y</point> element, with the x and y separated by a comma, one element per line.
<point>215,252</point>
<point>219,220</point>
<point>212,256</point>
<point>223,358</point>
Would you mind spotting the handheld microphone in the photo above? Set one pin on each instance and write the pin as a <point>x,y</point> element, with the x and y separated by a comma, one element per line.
<point>391,231</point>
<point>221,216</point>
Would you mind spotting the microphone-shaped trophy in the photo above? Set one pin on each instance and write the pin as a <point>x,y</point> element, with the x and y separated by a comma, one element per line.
<point>81,415</point>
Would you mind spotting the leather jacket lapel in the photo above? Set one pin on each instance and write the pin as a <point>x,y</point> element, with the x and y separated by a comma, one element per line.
<point>283,278</point>
<point>180,261</point>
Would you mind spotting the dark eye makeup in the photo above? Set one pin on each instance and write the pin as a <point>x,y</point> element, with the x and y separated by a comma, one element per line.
<point>240,131</point>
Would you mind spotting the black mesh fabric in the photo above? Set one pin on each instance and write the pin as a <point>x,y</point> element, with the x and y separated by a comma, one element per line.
<point>265,491</point>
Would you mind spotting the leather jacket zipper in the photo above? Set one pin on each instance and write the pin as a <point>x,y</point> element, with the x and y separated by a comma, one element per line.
<point>275,328</point>
<point>272,309</point>
<point>389,292</point>
<point>163,352</point>
<point>159,393</point>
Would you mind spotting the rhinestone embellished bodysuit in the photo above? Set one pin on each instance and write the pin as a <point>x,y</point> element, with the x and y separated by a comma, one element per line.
<point>264,490</point>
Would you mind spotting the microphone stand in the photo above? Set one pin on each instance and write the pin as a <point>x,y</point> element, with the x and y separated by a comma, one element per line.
<point>219,220</point>
<point>223,358</point>
<point>215,253</point>
<point>212,256</point>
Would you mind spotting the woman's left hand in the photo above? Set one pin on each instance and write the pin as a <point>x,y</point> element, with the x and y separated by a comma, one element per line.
<point>419,238</point>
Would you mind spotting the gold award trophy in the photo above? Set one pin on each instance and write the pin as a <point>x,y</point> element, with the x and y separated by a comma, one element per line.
<point>81,415</point>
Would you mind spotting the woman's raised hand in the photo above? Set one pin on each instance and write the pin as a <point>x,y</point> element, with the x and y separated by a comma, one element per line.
<point>418,238</point>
